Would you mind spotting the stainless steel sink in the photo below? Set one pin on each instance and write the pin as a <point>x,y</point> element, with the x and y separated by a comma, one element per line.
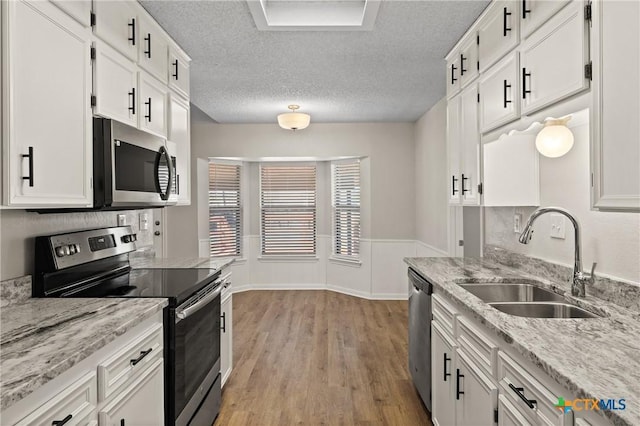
<point>543,310</point>
<point>503,292</point>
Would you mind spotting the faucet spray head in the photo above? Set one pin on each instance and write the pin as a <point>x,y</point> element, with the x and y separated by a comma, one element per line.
<point>526,235</point>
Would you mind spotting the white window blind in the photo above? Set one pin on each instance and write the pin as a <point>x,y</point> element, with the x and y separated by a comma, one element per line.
<point>224,209</point>
<point>288,209</point>
<point>346,209</point>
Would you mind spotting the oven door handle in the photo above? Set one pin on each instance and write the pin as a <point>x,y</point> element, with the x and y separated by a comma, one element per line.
<point>186,313</point>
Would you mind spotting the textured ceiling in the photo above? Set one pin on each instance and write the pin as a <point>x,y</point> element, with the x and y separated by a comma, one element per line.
<point>395,72</point>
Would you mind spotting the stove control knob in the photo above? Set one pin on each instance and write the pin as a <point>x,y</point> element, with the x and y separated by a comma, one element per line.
<point>66,250</point>
<point>59,251</point>
<point>72,249</point>
<point>134,237</point>
<point>77,246</point>
<point>126,239</point>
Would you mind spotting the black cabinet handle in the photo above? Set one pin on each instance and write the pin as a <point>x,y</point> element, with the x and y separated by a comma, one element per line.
<point>446,358</point>
<point>462,59</point>
<point>223,327</point>
<point>453,70</point>
<point>132,25</point>
<point>531,403</point>
<point>458,377</point>
<point>525,11</point>
<point>148,40</point>
<point>148,103</point>
<point>453,185</point>
<point>61,422</point>
<point>175,64</point>
<point>122,422</point>
<point>30,157</point>
<point>505,87</point>
<point>505,14</point>
<point>525,74</point>
<point>142,355</point>
<point>464,190</point>
<point>132,108</point>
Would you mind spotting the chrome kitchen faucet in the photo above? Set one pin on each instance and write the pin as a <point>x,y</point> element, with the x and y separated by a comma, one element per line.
<point>579,278</point>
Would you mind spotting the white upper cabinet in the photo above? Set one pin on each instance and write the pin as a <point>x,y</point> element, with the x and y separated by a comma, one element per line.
<point>180,134</point>
<point>116,82</point>
<point>453,75</point>
<point>498,31</point>
<point>499,94</point>
<point>553,59</point>
<point>469,65</point>
<point>117,23</point>
<point>153,101</point>
<point>616,105</point>
<point>178,72</point>
<point>47,134</point>
<point>453,149</point>
<point>153,48</point>
<point>536,12</point>
<point>469,146</point>
<point>80,10</point>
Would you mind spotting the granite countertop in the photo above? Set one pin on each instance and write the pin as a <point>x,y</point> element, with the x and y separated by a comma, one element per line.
<point>42,338</point>
<point>180,262</point>
<point>593,358</point>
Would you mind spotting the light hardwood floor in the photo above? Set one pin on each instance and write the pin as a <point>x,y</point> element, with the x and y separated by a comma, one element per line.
<point>319,358</point>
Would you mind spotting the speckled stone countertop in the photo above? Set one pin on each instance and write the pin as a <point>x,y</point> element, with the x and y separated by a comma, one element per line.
<point>592,358</point>
<point>42,338</point>
<point>180,262</point>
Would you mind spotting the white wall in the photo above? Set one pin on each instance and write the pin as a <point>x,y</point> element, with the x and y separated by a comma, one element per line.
<point>432,207</point>
<point>611,239</point>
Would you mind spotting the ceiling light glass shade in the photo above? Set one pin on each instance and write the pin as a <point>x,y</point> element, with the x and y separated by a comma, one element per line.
<point>555,139</point>
<point>294,120</point>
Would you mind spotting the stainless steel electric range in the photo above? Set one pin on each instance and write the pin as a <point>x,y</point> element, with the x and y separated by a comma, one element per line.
<point>95,263</point>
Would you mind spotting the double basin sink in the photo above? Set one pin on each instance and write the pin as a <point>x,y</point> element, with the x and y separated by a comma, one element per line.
<point>526,300</point>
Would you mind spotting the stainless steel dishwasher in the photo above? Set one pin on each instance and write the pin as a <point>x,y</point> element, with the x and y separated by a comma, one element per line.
<point>420,335</point>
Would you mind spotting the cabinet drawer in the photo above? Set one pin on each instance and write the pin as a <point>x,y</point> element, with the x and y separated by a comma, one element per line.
<point>444,314</point>
<point>478,346</point>
<point>77,402</point>
<point>127,364</point>
<point>508,415</point>
<point>517,384</point>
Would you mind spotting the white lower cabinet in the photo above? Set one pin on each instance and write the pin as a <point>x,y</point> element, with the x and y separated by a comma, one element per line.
<point>476,394</point>
<point>142,403</point>
<point>226,328</point>
<point>443,349</point>
<point>508,415</point>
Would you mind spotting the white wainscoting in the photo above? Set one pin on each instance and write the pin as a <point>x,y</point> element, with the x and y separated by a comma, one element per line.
<point>380,275</point>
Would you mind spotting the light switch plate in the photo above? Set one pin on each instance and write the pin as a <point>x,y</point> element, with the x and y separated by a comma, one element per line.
<point>557,226</point>
<point>144,221</point>
<point>122,219</point>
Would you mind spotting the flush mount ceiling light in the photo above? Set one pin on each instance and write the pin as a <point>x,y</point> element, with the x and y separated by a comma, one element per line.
<point>294,120</point>
<point>555,139</point>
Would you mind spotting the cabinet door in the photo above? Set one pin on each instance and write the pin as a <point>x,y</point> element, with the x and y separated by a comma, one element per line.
<point>152,103</point>
<point>453,148</point>
<point>553,59</point>
<point>616,105</point>
<point>442,378</point>
<point>153,50</point>
<point>508,415</point>
<point>80,10</point>
<point>498,32</point>
<point>499,100</point>
<point>142,403</point>
<point>536,12</point>
<point>226,338</point>
<point>469,65</point>
<point>178,72</point>
<point>453,76</point>
<point>47,119</point>
<point>179,133</point>
<point>469,146</point>
<point>476,394</point>
<point>117,24</point>
<point>116,82</point>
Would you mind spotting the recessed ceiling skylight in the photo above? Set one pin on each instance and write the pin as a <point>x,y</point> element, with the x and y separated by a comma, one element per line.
<point>314,15</point>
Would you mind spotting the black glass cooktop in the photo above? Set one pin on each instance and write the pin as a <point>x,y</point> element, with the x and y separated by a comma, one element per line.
<point>175,284</point>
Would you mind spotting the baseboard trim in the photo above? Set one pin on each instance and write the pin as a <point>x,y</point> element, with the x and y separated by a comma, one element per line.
<point>329,287</point>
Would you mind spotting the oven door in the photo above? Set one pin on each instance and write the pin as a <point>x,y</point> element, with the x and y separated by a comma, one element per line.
<point>197,351</point>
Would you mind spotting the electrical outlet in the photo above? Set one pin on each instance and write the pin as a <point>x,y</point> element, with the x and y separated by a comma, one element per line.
<point>144,221</point>
<point>517,223</point>
<point>557,226</point>
<point>122,220</point>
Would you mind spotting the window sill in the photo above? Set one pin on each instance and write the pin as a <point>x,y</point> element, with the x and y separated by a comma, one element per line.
<point>354,263</point>
<point>291,258</point>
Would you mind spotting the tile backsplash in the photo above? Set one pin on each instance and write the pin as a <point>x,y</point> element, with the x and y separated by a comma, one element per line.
<point>18,229</point>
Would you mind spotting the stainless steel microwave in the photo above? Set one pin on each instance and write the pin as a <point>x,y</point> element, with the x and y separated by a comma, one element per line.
<point>131,168</point>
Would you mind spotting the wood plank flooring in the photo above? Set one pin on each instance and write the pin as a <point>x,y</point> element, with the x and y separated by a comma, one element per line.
<point>319,358</point>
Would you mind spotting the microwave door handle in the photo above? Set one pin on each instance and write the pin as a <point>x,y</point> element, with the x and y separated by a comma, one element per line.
<point>172,174</point>
<point>164,194</point>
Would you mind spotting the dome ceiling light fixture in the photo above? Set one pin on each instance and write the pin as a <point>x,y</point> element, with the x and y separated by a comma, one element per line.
<point>555,139</point>
<point>294,120</point>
